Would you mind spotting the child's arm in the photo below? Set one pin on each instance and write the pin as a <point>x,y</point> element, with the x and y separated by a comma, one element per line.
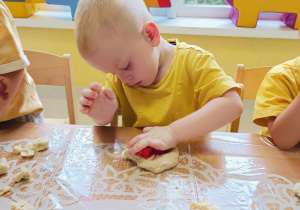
<point>98,104</point>
<point>284,129</point>
<point>213,115</point>
<point>9,85</point>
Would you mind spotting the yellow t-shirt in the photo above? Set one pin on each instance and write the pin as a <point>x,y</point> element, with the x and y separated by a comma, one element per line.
<point>193,79</point>
<point>277,91</point>
<point>12,58</point>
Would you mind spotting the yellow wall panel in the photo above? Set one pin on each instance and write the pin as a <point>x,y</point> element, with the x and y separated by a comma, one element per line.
<point>228,50</point>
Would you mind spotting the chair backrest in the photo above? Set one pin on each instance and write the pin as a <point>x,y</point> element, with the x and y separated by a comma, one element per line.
<point>50,69</point>
<point>115,122</point>
<point>250,78</point>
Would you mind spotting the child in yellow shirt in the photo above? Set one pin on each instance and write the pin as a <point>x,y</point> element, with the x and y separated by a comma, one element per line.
<point>175,90</point>
<point>277,104</point>
<point>18,97</point>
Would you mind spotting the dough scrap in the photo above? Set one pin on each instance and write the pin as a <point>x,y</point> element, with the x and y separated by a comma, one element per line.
<point>4,167</point>
<point>26,152</point>
<point>205,204</point>
<point>297,189</point>
<point>24,174</point>
<point>156,163</point>
<point>34,146</point>
<point>21,205</point>
<point>5,189</point>
<point>38,144</point>
<point>17,149</point>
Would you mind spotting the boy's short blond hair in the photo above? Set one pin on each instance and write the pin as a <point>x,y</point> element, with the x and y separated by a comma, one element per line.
<point>97,19</point>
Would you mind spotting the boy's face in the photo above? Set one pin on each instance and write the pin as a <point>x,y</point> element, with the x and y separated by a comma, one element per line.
<point>135,62</point>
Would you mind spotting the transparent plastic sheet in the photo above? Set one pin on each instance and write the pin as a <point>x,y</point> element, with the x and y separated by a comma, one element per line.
<point>81,174</point>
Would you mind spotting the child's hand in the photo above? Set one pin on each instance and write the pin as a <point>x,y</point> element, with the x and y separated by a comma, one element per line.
<point>98,104</point>
<point>160,138</point>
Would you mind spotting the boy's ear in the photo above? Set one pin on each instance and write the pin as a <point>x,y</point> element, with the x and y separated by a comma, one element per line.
<point>151,31</point>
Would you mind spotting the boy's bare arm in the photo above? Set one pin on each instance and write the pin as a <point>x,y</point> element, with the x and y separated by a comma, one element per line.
<point>284,129</point>
<point>9,85</point>
<point>215,114</point>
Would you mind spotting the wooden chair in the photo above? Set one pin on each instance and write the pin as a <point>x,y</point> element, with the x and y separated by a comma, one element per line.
<point>49,69</point>
<point>115,121</point>
<point>250,78</point>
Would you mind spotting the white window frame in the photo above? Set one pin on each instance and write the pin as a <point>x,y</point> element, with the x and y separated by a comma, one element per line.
<point>179,9</point>
<point>187,22</point>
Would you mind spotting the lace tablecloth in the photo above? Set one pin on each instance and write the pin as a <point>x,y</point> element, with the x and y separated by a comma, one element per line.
<point>82,170</point>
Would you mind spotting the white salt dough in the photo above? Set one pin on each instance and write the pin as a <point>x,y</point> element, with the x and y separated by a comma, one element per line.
<point>24,174</point>
<point>38,144</point>
<point>34,146</point>
<point>5,189</point>
<point>17,149</point>
<point>4,167</point>
<point>26,152</point>
<point>297,189</point>
<point>21,205</point>
<point>156,163</point>
<point>205,204</point>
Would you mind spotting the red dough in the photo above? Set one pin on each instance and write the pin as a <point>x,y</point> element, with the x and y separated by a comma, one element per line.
<point>149,151</point>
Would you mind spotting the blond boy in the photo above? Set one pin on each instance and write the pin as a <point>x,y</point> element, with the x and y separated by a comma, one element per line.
<point>277,104</point>
<point>175,92</point>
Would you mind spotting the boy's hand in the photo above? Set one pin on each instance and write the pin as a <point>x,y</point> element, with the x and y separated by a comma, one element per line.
<point>159,138</point>
<point>98,104</point>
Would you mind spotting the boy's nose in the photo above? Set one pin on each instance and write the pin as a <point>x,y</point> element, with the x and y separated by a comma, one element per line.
<point>125,78</point>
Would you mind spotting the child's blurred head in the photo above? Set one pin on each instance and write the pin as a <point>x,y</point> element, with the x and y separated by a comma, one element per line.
<point>119,37</point>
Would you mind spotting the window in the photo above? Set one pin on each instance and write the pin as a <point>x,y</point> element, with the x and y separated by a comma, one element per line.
<point>211,2</point>
<point>203,9</point>
<point>194,8</point>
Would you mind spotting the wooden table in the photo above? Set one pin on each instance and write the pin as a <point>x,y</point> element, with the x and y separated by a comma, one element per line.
<point>83,169</point>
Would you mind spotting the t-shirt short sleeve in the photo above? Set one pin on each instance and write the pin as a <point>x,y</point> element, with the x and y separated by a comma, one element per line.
<point>12,57</point>
<point>275,94</point>
<point>210,81</point>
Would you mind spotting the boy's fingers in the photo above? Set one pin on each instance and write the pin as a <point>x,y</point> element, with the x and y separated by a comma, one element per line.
<point>95,86</point>
<point>84,109</point>
<point>146,142</point>
<point>109,93</point>
<point>156,144</point>
<point>135,140</point>
<point>88,93</point>
<point>85,101</point>
<point>147,129</point>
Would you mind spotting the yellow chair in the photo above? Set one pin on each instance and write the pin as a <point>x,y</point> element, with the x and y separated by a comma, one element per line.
<point>49,69</point>
<point>250,79</point>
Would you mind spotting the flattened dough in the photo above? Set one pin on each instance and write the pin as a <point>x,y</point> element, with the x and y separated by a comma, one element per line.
<point>156,163</point>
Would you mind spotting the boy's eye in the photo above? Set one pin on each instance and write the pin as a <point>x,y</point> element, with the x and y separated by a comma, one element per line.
<point>127,67</point>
